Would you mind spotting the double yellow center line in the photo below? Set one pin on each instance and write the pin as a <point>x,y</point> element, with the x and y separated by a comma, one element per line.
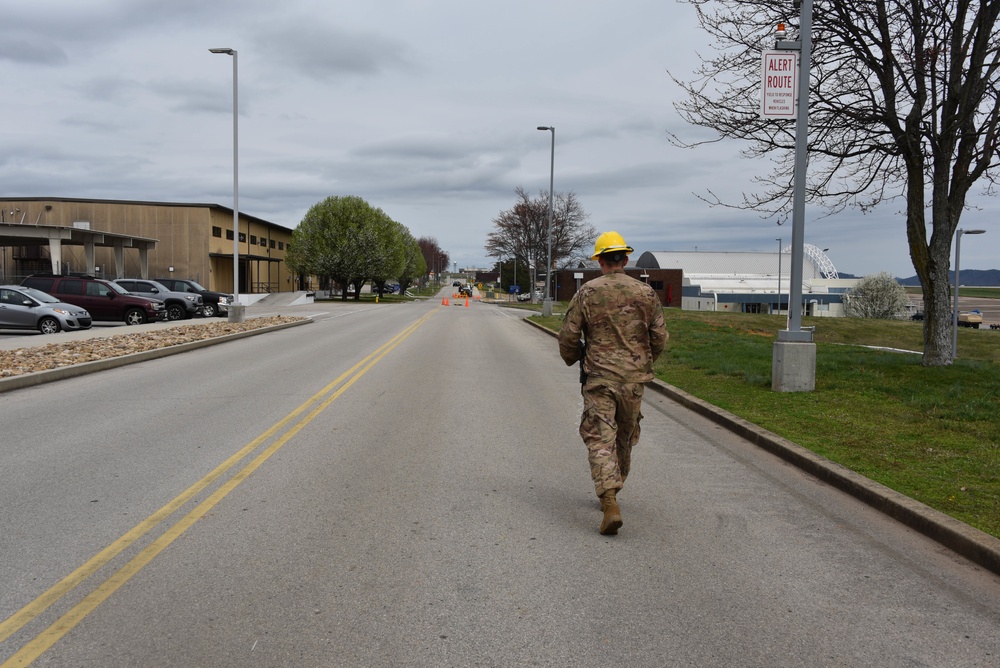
<point>42,642</point>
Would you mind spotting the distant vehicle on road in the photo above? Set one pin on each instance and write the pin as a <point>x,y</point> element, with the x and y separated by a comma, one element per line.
<point>973,318</point>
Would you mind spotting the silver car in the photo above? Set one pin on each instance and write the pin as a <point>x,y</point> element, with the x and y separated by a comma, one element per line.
<point>28,308</point>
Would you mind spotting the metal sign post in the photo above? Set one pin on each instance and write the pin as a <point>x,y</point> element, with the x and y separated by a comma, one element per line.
<point>793,365</point>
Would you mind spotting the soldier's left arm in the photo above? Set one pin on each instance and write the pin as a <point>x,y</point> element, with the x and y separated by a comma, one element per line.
<point>658,334</point>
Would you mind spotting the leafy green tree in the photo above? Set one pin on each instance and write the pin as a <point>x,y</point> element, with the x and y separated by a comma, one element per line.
<point>387,253</point>
<point>414,265</point>
<point>331,239</point>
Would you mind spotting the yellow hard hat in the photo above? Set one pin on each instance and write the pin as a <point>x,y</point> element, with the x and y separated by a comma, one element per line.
<point>610,242</point>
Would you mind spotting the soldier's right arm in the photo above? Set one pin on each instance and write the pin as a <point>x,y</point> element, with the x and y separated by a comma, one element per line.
<point>570,333</point>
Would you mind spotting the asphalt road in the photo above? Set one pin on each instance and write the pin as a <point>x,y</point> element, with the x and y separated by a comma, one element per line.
<point>403,485</point>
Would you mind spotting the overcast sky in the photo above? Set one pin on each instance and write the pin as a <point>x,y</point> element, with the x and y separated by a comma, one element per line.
<point>426,108</point>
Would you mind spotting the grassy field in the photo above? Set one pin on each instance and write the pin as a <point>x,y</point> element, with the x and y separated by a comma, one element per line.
<point>987,293</point>
<point>932,434</point>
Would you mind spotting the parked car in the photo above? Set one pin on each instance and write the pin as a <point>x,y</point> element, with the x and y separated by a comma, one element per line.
<point>180,305</point>
<point>28,308</point>
<point>215,303</point>
<point>103,299</point>
<point>526,296</point>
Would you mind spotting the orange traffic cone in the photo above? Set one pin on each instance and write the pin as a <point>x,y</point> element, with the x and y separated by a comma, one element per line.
<point>466,302</point>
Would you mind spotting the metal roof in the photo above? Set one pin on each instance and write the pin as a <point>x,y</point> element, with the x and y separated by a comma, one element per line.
<point>726,265</point>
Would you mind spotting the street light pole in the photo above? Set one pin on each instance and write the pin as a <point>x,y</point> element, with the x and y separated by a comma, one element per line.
<point>793,361</point>
<point>235,310</point>
<point>547,304</point>
<point>954,310</point>
<point>779,274</point>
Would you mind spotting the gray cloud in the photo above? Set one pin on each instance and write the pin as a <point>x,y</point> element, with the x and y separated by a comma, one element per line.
<point>31,50</point>
<point>328,53</point>
<point>428,110</point>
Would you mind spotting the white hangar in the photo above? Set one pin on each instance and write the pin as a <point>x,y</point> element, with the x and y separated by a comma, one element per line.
<point>753,282</point>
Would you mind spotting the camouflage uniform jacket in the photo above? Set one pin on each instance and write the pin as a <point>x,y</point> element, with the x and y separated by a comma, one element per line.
<point>621,320</point>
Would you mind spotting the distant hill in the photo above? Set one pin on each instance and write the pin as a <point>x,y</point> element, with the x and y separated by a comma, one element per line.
<point>979,277</point>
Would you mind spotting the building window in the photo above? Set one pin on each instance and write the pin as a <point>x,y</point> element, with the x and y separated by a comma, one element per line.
<point>253,239</point>
<point>656,285</point>
<point>272,243</point>
<point>281,245</point>
<point>229,234</point>
<point>243,238</point>
<point>216,231</point>
<point>263,243</point>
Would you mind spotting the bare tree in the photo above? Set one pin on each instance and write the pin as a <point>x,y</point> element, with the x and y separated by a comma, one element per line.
<point>904,104</point>
<point>522,231</point>
<point>435,259</point>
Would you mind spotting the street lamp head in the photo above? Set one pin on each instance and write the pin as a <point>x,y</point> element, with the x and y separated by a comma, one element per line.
<point>227,51</point>
<point>972,231</point>
<point>546,127</point>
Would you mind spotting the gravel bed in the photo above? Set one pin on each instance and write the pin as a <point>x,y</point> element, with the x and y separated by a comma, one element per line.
<point>55,355</point>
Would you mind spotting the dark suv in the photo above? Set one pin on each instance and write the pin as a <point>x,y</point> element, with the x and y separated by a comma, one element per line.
<point>216,303</point>
<point>179,305</point>
<point>104,300</point>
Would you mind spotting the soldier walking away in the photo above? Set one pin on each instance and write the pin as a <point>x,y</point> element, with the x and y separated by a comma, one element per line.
<point>614,327</point>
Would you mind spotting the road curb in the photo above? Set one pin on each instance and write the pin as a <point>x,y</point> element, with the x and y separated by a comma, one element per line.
<point>51,375</point>
<point>973,544</point>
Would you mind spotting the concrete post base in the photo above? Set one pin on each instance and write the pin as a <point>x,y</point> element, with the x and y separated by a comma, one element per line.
<point>237,312</point>
<point>547,307</point>
<point>793,366</point>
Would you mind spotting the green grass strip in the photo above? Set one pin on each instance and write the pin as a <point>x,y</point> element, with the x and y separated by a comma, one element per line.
<point>931,433</point>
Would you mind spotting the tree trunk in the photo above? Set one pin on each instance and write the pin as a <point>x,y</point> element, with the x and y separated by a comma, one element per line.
<point>937,313</point>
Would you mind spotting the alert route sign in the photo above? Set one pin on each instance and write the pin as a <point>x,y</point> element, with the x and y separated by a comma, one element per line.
<point>780,72</point>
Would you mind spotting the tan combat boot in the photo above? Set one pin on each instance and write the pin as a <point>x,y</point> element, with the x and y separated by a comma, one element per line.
<point>612,515</point>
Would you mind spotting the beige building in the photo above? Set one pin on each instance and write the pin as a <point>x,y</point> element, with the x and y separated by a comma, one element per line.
<point>127,239</point>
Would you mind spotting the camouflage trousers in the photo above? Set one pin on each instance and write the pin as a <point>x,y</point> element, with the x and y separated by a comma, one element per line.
<point>610,429</point>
